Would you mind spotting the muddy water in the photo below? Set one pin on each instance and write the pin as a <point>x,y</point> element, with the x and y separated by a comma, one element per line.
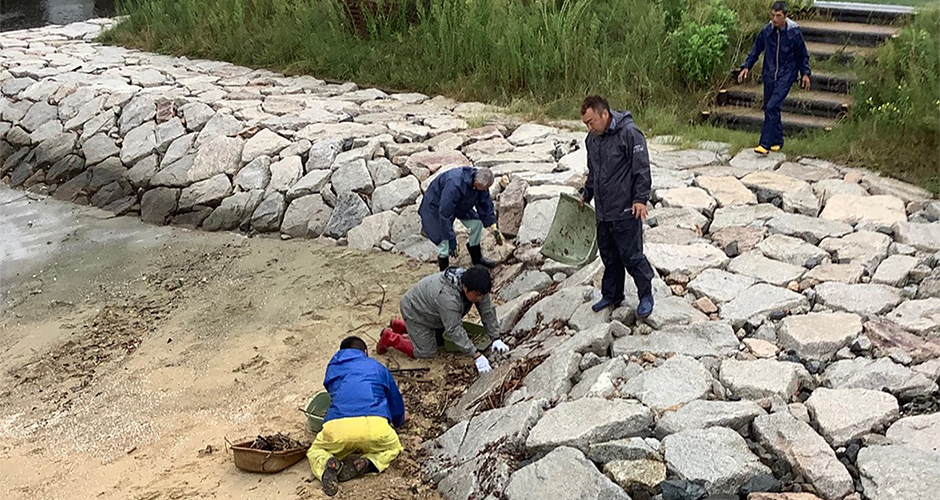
<point>22,14</point>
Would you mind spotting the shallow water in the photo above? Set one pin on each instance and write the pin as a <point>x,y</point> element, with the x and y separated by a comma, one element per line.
<point>22,14</point>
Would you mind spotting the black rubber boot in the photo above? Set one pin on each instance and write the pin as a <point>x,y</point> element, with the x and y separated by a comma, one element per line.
<point>476,256</point>
<point>330,479</point>
<point>443,263</point>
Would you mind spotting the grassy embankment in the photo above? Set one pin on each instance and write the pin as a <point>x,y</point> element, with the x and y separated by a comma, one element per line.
<point>540,58</point>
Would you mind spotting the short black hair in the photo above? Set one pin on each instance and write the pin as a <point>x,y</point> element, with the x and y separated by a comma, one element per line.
<point>779,6</point>
<point>477,279</point>
<point>595,102</point>
<point>353,343</point>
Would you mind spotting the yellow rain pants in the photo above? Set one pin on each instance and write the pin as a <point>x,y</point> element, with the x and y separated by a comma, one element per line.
<point>372,437</point>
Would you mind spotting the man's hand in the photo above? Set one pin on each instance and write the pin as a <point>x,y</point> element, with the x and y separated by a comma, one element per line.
<point>805,83</point>
<point>581,199</point>
<point>499,346</point>
<point>639,211</point>
<point>453,248</point>
<point>743,74</point>
<point>483,364</point>
<point>498,235</point>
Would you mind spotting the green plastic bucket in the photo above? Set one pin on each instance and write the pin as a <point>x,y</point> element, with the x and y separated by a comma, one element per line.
<point>572,239</point>
<point>477,335</point>
<point>316,411</point>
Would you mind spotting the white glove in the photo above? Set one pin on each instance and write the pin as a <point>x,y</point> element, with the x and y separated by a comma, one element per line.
<point>483,364</point>
<point>499,346</point>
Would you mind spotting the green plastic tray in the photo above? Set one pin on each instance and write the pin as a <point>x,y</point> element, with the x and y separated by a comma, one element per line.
<point>477,335</point>
<point>572,239</point>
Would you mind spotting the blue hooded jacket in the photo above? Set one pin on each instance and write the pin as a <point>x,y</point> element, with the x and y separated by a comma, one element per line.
<point>452,196</point>
<point>785,54</point>
<point>360,386</point>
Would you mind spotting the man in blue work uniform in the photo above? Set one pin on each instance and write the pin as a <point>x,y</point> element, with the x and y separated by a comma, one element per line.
<point>460,193</point>
<point>785,56</point>
<point>618,181</point>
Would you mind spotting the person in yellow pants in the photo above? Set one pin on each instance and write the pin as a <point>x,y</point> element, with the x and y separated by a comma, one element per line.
<point>357,435</point>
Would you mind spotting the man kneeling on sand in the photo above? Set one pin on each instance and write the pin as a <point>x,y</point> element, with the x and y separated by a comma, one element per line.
<point>357,437</point>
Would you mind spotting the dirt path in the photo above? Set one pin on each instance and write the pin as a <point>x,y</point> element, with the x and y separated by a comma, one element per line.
<point>128,353</point>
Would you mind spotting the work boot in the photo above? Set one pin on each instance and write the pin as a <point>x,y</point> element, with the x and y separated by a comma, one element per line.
<point>330,478</point>
<point>604,303</point>
<point>776,148</point>
<point>443,263</point>
<point>761,150</point>
<point>353,467</point>
<point>646,306</point>
<point>476,256</point>
<point>396,341</point>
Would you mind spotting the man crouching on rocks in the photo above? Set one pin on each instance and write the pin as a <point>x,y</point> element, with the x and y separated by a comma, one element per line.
<point>433,310</point>
<point>618,181</point>
<point>357,435</point>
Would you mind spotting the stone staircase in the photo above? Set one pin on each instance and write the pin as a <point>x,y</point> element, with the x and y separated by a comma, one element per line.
<point>836,34</point>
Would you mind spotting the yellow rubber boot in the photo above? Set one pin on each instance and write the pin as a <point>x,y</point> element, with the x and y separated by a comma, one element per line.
<point>761,150</point>
<point>776,148</point>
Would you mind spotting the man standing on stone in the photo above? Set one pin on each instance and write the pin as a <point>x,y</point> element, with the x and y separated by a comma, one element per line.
<point>785,55</point>
<point>433,310</point>
<point>618,181</point>
<point>461,193</point>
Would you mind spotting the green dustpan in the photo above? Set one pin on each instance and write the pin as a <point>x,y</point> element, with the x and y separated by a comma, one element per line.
<point>572,239</point>
<point>477,335</point>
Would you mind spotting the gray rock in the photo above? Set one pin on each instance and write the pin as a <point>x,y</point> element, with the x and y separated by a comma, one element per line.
<point>762,300</point>
<point>765,270</point>
<point>39,114</point>
<point>196,114</point>
<point>511,206</point>
<point>306,217</point>
<point>863,299</point>
<point>383,171</point>
<point>684,159</point>
<point>665,235</point>
<point>698,340</point>
<point>234,211</point>
<point>138,143</point>
<point>930,286</point>
<point>921,432</point>
<point>507,312</point>
<point>395,194</point>
<point>323,152</point>
<point>645,474</point>
<point>352,176</point>
<point>763,378</point>
<point>371,231</point>
<point>702,414</point>
<point>221,155</point>
<point>142,171</point>
<point>684,259</point>
<point>264,143</point>
<point>530,133</point>
<point>716,457</point>
<point>819,335</point>
<point>65,169</point>
<point>601,381</point>
<point>110,193</point>
<point>865,248</point>
<point>407,224</point>
<point>683,218</point>
<point>55,148</point>
<point>919,316</point>
<point>877,375</point>
<point>175,175</point>
<point>536,221</point>
<point>894,270</point>
<point>674,311</point>
<point>256,175</point>
<point>720,286</point>
<point>527,281</point>
<point>586,421</point>
<point>348,213</point>
<point>558,306</point>
<point>811,229</point>
<point>898,473</point>
<point>809,172</point>
<point>553,378</point>
<point>827,188</point>
<point>677,381</point>
<point>584,316</point>
<point>792,251</point>
<point>845,414</point>
<point>634,448</point>
<point>744,215</point>
<point>267,217</point>
<point>285,173</point>
<point>922,236</point>
<point>105,173</point>
<point>218,126</point>
<point>806,452</point>
<point>206,192</point>
<point>73,188</point>
<point>158,204</point>
<point>842,273</point>
<point>563,474</point>
<point>873,213</point>
<point>727,191</point>
<point>139,110</point>
<point>98,148</point>
<point>473,398</point>
<point>178,149</point>
<point>688,197</point>
<point>45,131</point>
<point>416,247</point>
<point>167,132</point>
<point>312,183</point>
<point>879,185</point>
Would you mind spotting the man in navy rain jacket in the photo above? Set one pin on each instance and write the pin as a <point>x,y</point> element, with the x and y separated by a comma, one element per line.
<point>619,182</point>
<point>357,436</point>
<point>460,193</point>
<point>785,56</point>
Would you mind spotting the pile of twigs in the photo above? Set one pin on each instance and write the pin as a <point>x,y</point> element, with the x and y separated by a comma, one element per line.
<point>276,442</point>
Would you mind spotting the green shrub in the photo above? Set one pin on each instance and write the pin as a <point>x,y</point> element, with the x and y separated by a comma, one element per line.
<point>699,46</point>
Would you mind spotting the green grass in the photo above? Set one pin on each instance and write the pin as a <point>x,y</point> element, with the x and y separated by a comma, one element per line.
<point>535,57</point>
<point>910,3</point>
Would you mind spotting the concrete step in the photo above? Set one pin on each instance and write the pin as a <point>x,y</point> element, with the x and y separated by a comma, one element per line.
<point>863,12</point>
<point>832,82</point>
<point>837,51</point>
<point>745,118</point>
<point>811,102</point>
<point>839,33</point>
